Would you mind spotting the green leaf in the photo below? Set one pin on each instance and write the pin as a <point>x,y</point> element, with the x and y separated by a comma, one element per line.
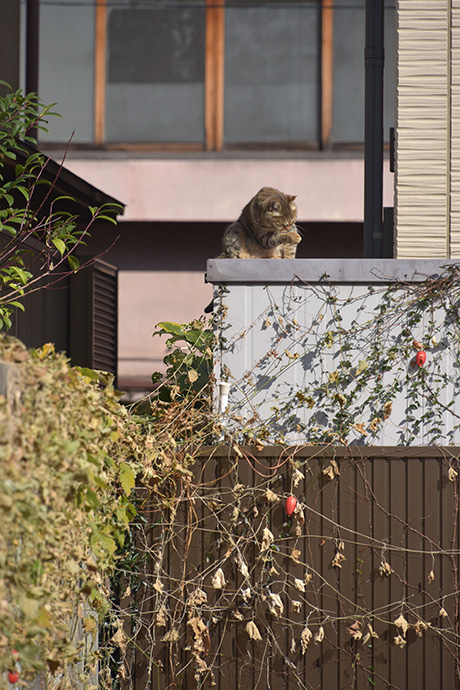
<point>73,263</point>
<point>127,478</point>
<point>103,540</point>
<point>170,327</point>
<point>17,304</point>
<point>60,245</point>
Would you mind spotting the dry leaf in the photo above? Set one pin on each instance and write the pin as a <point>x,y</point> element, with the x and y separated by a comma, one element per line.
<point>218,581</point>
<point>430,577</point>
<point>295,555</point>
<point>243,568</point>
<point>319,637</point>
<point>374,425</point>
<point>452,474</point>
<point>305,638</point>
<point>387,409</point>
<point>434,342</point>
<point>202,641</point>
<point>299,584</point>
<point>289,354</point>
<point>385,569</point>
<point>399,641</point>
<point>361,428</point>
<point>275,605</point>
<point>238,615</point>
<point>402,624</point>
<point>120,640</point>
<point>332,470</point>
<point>237,451</point>
<point>161,617</point>
<point>354,630</point>
<point>253,632</point>
<point>246,594</point>
<point>271,496</point>
<point>158,585</point>
<point>443,613</point>
<point>362,366</point>
<point>338,559</point>
<point>297,477</point>
<point>420,627</point>
<point>417,345</point>
<point>267,539</point>
<point>197,597</point>
<point>171,636</point>
<point>293,646</point>
<point>296,606</point>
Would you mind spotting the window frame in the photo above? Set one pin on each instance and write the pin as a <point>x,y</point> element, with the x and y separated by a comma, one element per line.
<point>214,76</point>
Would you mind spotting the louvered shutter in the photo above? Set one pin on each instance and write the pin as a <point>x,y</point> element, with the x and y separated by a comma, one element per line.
<point>94,317</point>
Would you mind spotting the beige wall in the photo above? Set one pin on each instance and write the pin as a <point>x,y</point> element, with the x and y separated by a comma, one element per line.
<point>427,198</point>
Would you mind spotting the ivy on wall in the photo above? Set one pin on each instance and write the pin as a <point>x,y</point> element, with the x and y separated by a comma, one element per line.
<point>345,364</point>
<point>69,457</point>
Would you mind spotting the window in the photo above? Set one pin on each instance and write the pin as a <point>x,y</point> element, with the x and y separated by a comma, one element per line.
<point>209,74</point>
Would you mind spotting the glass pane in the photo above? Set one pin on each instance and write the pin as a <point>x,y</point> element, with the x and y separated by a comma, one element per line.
<point>66,71</point>
<point>271,73</point>
<point>155,72</point>
<point>349,43</point>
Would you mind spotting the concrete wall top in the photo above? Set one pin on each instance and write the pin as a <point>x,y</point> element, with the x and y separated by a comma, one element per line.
<point>286,271</point>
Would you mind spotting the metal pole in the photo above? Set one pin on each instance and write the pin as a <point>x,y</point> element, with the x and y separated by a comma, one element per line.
<point>32,54</point>
<point>373,129</point>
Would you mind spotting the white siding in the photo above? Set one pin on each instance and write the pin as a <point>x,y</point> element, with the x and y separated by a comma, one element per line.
<point>297,332</point>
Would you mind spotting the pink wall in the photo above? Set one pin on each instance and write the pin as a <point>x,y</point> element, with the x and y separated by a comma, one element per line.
<point>202,189</point>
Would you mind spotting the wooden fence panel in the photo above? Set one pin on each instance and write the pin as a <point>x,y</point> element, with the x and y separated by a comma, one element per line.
<point>359,588</point>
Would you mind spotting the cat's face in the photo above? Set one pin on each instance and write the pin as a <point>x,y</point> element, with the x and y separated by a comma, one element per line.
<point>277,210</point>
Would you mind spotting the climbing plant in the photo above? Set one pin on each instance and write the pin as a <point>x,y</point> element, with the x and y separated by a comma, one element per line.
<point>38,234</point>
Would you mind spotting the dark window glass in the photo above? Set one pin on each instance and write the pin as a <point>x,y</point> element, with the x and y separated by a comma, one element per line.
<point>271,73</point>
<point>155,72</point>
<point>66,71</point>
<point>349,43</point>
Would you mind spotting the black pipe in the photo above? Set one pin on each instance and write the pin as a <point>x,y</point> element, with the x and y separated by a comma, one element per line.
<point>32,50</point>
<point>373,129</point>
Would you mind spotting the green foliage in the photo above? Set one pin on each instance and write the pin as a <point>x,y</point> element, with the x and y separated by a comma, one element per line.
<point>69,457</point>
<point>38,236</point>
<point>188,366</point>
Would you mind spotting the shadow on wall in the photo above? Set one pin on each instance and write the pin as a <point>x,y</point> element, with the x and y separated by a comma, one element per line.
<point>187,246</point>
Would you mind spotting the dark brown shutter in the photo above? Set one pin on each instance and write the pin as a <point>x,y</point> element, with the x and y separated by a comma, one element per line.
<point>94,317</point>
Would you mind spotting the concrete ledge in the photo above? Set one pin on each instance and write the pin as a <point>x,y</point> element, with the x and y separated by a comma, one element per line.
<point>286,271</point>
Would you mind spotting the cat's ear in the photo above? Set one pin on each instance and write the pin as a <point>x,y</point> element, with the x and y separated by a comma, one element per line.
<point>291,198</point>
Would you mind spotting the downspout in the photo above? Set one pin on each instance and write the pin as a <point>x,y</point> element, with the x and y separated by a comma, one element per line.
<point>32,53</point>
<point>373,129</point>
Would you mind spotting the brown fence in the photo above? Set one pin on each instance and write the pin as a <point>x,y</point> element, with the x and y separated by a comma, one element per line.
<point>374,540</point>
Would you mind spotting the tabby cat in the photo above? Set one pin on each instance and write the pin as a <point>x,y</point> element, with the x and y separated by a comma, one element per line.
<point>265,229</point>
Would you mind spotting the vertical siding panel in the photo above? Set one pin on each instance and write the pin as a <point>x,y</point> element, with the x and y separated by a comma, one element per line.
<point>348,648</point>
<point>364,574</point>
<point>313,527</point>
<point>455,129</point>
<point>432,530</point>
<point>422,161</point>
<point>447,579</point>
<point>381,584</point>
<point>329,599</point>
<point>398,591</point>
<point>415,574</point>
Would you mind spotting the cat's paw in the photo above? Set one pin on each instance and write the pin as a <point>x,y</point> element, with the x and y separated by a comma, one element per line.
<point>291,238</point>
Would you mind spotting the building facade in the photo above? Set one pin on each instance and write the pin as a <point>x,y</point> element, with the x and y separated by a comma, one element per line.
<point>183,110</point>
